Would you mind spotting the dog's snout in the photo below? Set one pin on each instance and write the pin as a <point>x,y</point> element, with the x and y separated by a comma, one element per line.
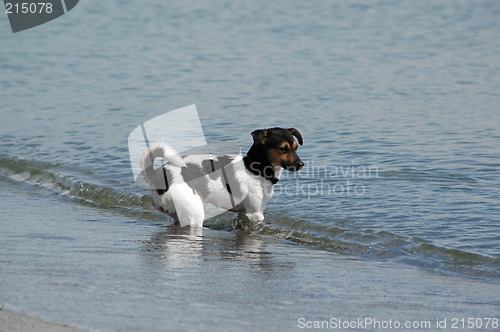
<point>295,167</point>
<point>298,165</point>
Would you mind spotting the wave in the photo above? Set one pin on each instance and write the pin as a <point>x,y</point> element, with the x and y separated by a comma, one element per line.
<point>383,245</point>
<point>362,243</point>
<point>51,177</point>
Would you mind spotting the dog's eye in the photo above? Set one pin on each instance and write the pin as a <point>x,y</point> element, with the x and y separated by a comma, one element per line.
<point>283,148</point>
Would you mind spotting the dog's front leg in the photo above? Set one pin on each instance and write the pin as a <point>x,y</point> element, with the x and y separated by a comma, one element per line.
<point>254,216</point>
<point>253,207</point>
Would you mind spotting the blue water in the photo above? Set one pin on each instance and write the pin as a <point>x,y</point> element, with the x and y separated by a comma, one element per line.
<point>398,106</point>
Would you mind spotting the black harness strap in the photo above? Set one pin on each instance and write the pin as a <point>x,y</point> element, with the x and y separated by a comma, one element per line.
<point>162,191</point>
<point>224,176</point>
<point>212,163</point>
<point>165,177</point>
<point>228,187</point>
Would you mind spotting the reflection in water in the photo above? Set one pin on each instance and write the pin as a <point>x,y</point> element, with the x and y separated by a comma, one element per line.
<point>177,246</point>
<point>182,247</point>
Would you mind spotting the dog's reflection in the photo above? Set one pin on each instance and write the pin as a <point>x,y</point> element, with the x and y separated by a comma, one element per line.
<point>178,247</point>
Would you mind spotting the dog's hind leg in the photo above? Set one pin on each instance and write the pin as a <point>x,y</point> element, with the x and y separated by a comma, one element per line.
<point>188,205</point>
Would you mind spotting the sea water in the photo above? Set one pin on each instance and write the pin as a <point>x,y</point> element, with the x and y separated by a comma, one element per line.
<point>396,214</point>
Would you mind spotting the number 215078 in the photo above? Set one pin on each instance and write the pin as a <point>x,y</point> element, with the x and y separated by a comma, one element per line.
<point>28,8</point>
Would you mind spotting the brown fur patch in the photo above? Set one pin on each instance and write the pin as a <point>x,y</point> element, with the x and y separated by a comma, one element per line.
<point>286,145</point>
<point>275,156</point>
<point>279,158</point>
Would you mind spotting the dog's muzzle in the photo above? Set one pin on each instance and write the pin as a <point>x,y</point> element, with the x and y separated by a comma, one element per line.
<point>295,167</point>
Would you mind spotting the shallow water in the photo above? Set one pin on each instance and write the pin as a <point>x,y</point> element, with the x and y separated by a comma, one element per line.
<point>102,270</point>
<point>397,103</point>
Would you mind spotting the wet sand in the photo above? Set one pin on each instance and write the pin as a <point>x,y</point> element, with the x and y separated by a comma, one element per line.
<point>16,322</point>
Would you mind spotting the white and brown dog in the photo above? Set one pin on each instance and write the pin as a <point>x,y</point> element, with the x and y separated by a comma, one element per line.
<point>235,183</point>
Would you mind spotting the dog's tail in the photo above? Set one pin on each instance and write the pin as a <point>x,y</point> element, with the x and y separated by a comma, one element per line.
<point>158,150</point>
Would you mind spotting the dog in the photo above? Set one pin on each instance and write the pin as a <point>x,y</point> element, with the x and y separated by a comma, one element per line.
<point>239,183</point>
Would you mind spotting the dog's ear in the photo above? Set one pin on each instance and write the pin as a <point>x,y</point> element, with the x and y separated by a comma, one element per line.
<point>259,134</point>
<point>296,133</point>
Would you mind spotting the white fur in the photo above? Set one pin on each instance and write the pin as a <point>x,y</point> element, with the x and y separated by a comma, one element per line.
<point>185,201</point>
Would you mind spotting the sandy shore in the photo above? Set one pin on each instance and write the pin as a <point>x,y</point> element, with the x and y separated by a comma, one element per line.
<point>15,322</point>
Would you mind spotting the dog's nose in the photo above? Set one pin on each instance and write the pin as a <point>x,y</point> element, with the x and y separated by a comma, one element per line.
<point>300,164</point>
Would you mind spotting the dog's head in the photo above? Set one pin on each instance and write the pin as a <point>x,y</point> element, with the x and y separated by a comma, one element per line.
<point>280,146</point>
